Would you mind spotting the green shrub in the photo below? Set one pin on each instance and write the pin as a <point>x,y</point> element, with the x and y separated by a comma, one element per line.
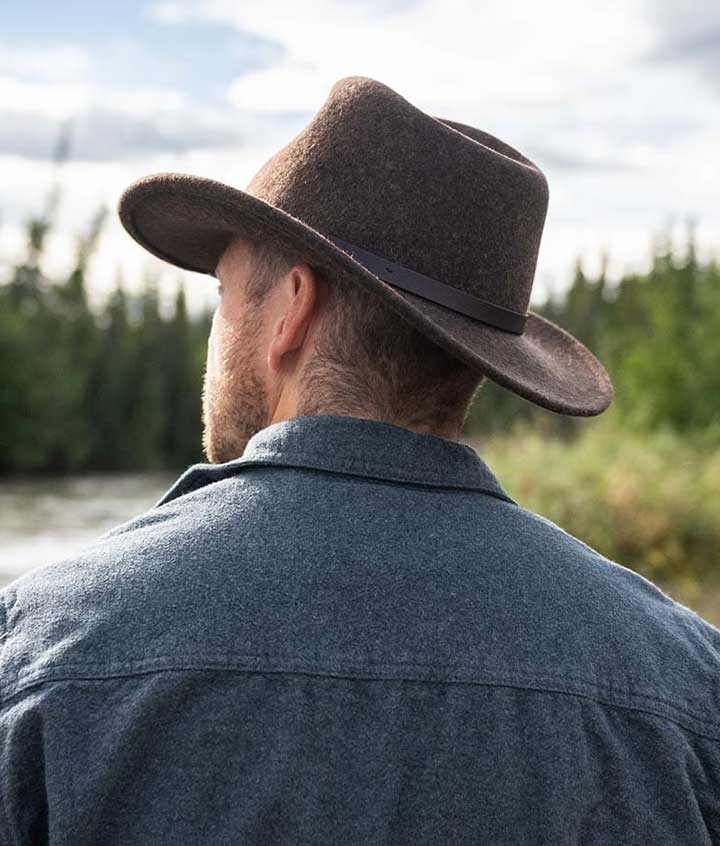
<point>650,502</point>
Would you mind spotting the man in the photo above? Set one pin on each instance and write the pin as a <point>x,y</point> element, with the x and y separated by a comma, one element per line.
<point>342,628</point>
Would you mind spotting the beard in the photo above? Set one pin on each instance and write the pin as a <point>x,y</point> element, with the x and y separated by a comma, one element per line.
<point>234,398</point>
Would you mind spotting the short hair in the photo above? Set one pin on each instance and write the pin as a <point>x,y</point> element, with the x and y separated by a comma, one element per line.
<point>368,356</point>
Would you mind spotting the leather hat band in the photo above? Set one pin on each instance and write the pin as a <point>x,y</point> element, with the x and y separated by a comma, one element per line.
<point>438,292</point>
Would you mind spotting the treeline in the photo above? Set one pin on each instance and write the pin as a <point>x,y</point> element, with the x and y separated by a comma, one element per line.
<point>120,389</point>
<point>658,335</point>
<point>80,390</point>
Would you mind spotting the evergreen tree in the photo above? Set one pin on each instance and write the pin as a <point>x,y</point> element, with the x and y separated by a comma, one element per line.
<point>146,424</point>
<point>121,389</point>
<point>110,387</point>
<point>183,431</point>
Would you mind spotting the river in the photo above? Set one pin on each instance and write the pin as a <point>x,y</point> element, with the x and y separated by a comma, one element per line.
<point>43,520</point>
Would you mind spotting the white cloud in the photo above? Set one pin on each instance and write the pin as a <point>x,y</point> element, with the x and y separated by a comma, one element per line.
<point>169,12</point>
<point>52,62</point>
<point>51,99</point>
<point>449,55</point>
<point>288,88</point>
<point>58,100</point>
<point>626,142</point>
<point>109,126</point>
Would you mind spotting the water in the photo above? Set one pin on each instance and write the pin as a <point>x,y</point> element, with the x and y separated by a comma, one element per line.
<point>46,520</point>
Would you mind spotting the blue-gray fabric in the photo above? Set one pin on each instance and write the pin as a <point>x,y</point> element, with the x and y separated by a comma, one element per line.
<point>352,634</point>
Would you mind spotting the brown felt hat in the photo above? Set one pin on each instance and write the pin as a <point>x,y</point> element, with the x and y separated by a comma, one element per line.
<point>441,219</point>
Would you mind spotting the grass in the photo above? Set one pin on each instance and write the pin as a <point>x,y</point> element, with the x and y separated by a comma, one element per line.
<point>650,502</point>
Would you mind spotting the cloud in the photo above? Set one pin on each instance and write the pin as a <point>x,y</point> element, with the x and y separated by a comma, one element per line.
<point>50,62</point>
<point>103,135</point>
<point>603,97</point>
<point>552,86</point>
<point>573,160</point>
<point>686,33</point>
<point>110,126</point>
<point>450,54</point>
<point>126,97</point>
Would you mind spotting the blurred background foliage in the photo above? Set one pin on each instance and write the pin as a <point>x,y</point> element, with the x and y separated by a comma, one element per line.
<point>649,500</point>
<point>120,389</point>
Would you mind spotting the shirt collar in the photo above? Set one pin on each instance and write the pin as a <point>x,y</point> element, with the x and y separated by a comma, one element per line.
<point>356,446</point>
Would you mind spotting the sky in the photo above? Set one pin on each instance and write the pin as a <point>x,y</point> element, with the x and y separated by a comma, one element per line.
<point>617,102</point>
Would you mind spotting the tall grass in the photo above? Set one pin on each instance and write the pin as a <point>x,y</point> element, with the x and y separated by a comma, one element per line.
<point>648,501</point>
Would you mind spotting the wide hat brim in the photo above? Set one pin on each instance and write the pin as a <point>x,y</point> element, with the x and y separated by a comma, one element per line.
<point>188,221</point>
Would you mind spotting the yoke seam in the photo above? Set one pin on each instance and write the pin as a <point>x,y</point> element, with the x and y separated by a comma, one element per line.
<point>498,681</point>
<point>232,662</point>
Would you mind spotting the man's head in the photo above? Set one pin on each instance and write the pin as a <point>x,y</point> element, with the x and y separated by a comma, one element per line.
<point>286,341</point>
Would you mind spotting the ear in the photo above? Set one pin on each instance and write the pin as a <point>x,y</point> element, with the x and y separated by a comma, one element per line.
<point>298,304</point>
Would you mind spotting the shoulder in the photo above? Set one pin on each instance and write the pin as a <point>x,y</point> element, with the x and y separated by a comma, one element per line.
<point>633,634</point>
<point>147,586</point>
<point>601,579</point>
<point>111,600</point>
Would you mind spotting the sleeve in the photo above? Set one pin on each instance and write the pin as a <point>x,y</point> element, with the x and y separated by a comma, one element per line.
<point>23,804</point>
<point>23,816</point>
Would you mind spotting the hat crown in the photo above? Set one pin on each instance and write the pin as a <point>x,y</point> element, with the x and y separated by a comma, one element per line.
<point>442,220</point>
<point>445,199</point>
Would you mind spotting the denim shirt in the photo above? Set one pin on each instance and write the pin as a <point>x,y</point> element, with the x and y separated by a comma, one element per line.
<point>352,634</point>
